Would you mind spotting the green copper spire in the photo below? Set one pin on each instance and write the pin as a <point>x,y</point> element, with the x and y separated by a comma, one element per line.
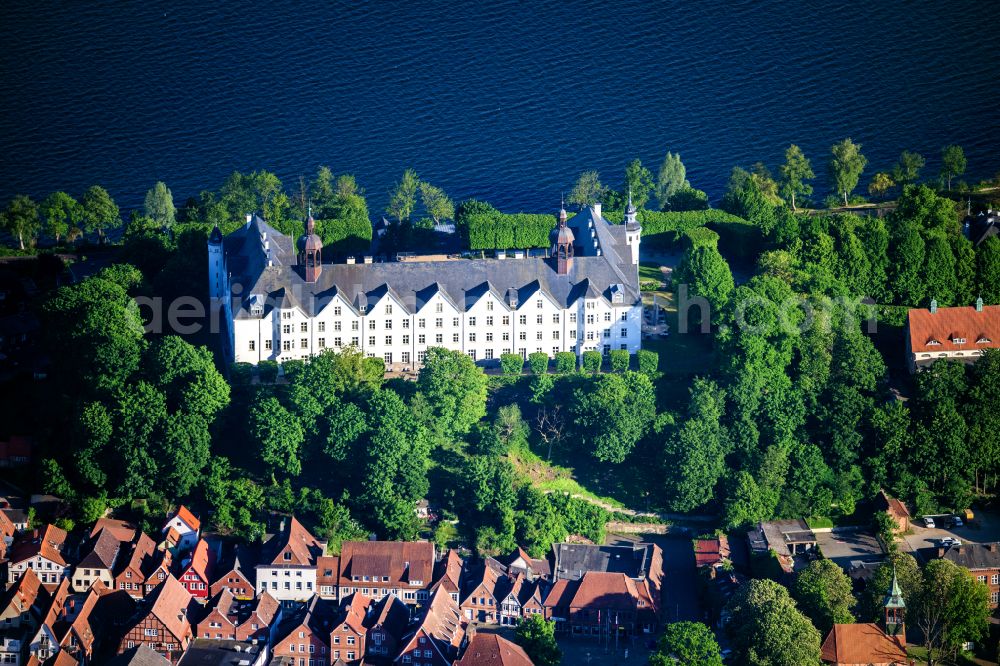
<point>894,599</point>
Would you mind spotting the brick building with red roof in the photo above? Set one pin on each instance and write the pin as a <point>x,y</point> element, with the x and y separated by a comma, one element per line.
<point>960,333</point>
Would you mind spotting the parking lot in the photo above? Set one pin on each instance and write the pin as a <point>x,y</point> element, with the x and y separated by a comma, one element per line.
<point>923,541</point>
<point>846,547</point>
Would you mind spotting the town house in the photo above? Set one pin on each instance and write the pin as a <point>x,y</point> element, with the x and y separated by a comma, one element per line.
<point>98,562</point>
<point>493,650</point>
<point>347,635</point>
<point>237,574</point>
<point>480,603</point>
<point>378,568</point>
<point>41,551</point>
<point>288,568</point>
<point>162,622</point>
<point>181,529</point>
<point>22,607</point>
<point>145,567</point>
<point>195,572</point>
<point>437,637</point>
<point>386,624</point>
<point>327,574</point>
<point>303,637</point>
<point>982,560</point>
<point>959,333</point>
<point>448,575</point>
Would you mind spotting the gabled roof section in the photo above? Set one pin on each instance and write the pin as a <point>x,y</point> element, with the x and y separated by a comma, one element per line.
<point>493,650</point>
<point>441,623</point>
<point>188,518</point>
<point>863,643</point>
<point>400,561</point>
<point>122,529</point>
<point>47,543</point>
<point>201,559</point>
<point>294,546</point>
<point>169,605</point>
<point>954,329</point>
<point>448,572</point>
<point>24,594</point>
<point>389,613</point>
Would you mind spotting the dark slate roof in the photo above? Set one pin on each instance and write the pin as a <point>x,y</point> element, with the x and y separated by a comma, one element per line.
<point>206,652</point>
<point>975,555</point>
<point>602,260</point>
<point>574,559</point>
<point>141,655</point>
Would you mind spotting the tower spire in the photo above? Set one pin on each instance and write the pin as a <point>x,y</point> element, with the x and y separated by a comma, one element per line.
<point>894,608</point>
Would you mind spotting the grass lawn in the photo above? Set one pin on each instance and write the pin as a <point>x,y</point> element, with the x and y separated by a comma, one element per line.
<point>919,655</point>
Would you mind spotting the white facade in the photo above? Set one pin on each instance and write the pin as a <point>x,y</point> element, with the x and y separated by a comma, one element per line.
<point>287,582</point>
<point>280,317</point>
<point>485,331</point>
<point>49,572</point>
<point>188,538</point>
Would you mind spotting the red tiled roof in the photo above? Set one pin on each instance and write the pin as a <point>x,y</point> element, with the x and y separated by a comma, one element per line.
<point>599,589</point>
<point>266,607</point>
<point>327,570</point>
<point>561,594</point>
<point>83,629</point>
<point>401,561</point>
<point>861,644</point>
<point>296,540</point>
<point>123,530</point>
<point>103,551</point>
<point>493,650</point>
<point>170,603</point>
<point>710,551</point>
<point>48,544</point>
<point>948,324</point>
<point>25,592</point>
<point>355,612</point>
<point>7,528</point>
<point>448,572</point>
<point>201,559</point>
<point>184,514</point>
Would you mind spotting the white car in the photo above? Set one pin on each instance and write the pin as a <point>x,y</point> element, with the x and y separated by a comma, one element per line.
<point>929,522</point>
<point>948,542</point>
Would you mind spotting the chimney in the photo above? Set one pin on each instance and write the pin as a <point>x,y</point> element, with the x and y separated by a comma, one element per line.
<point>979,304</point>
<point>597,209</point>
<point>249,217</point>
<point>368,258</point>
<point>350,261</point>
<point>993,546</point>
<point>933,305</point>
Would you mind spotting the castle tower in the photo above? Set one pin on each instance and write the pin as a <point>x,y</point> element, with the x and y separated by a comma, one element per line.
<point>633,230</point>
<point>311,251</point>
<point>217,286</point>
<point>562,244</point>
<point>895,609</point>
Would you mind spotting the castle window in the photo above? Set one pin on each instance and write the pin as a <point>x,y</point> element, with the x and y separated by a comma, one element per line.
<point>472,321</point>
<point>538,319</point>
<point>506,321</point>
<point>371,341</point>
<point>456,322</point>
<point>388,340</point>
<point>321,327</point>
<point>322,343</point>
<point>371,325</point>
<point>304,327</point>
<point>438,339</point>
<point>286,345</point>
<point>607,316</point>
<point>489,306</point>
<point>572,317</point>
<point>286,329</point>
<point>439,323</point>
<point>304,343</point>
<point>337,310</point>
<point>406,323</point>
<point>388,308</point>
<point>406,339</point>
<point>253,345</point>
<point>958,341</point>
<point>523,320</point>
<point>421,339</point>
<point>406,357</point>
<point>438,307</point>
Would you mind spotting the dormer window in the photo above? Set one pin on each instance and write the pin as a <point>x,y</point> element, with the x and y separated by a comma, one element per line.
<point>958,341</point>
<point>933,343</point>
<point>983,340</point>
<point>288,556</point>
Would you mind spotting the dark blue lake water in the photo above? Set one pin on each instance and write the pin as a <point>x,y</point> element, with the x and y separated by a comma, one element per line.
<point>502,100</point>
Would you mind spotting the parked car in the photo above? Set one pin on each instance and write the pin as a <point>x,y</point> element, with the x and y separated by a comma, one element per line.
<point>958,521</point>
<point>948,542</point>
<point>929,522</point>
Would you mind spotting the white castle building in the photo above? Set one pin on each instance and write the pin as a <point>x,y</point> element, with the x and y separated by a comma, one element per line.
<point>281,302</point>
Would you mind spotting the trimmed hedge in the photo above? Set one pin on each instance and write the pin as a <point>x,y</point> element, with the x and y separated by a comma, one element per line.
<point>667,228</point>
<point>648,361</point>
<point>619,360</point>
<point>592,361</point>
<point>503,231</point>
<point>702,237</point>
<point>565,362</point>
<point>511,364</point>
<point>241,374</point>
<point>267,371</point>
<point>350,235</point>
<point>538,363</point>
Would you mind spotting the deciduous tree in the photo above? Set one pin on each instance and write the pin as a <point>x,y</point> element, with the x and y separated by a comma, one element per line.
<point>794,173</point>
<point>907,169</point>
<point>670,180</point>
<point>587,191</point>
<point>436,203</point>
<point>403,198</point>
<point>768,629</point>
<point>638,181</point>
<point>686,644</point>
<point>20,219</point>
<point>100,212</point>
<point>846,165</point>
<point>61,213</point>
<point>824,593</point>
<point>455,390</point>
<point>160,205</point>
<point>537,636</point>
<point>953,162</point>
<point>881,183</point>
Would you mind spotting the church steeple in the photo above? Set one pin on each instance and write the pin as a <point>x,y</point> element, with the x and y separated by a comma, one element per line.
<point>894,608</point>
<point>562,244</point>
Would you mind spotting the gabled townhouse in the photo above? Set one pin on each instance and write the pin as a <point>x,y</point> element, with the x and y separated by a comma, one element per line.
<point>386,624</point>
<point>235,572</point>
<point>520,562</point>
<point>45,642</point>
<point>378,568</point>
<point>304,634</point>
<point>448,575</point>
<point>479,602</point>
<point>493,650</point>
<point>79,640</point>
<point>41,550</point>
<point>436,639</point>
<point>288,565</point>
<point>182,529</point>
<point>162,622</point>
<point>259,618</point>
<point>142,568</point>
<point>602,604</point>
<point>98,562</point>
<point>230,619</point>
<point>221,619</point>
<point>195,571</point>
<point>327,574</point>
<point>519,597</point>
<point>347,635</point>
<point>22,608</point>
